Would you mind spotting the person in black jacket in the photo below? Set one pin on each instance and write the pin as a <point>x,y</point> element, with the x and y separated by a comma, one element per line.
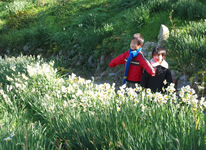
<point>155,83</point>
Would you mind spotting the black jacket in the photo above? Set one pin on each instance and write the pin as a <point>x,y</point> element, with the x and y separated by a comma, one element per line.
<point>155,83</point>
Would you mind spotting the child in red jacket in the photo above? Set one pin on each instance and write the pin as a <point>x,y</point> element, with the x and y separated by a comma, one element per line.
<point>134,61</point>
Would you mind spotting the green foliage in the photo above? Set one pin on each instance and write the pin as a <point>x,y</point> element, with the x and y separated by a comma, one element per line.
<point>150,29</point>
<point>136,16</point>
<point>79,29</point>
<point>190,10</point>
<point>125,4</point>
<point>17,6</point>
<point>21,19</point>
<point>36,37</point>
<point>31,136</point>
<point>160,5</point>
<point>198,81</point>
<point>11,66</point>
<point>187,47</point>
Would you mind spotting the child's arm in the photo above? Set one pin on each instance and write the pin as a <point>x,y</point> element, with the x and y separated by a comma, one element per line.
<point>144,79</point>
<point>118,60</point>
<point>146,65</point>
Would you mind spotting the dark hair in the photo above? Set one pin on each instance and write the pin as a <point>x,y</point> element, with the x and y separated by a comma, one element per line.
<point>139,38</point>
<point>159,50</point>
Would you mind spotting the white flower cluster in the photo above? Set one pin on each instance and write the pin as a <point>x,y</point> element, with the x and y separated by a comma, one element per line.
<point>76,93</point>
<point>188,96</point>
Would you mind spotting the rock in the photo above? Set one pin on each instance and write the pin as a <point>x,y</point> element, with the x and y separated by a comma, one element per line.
<point>60,52</point>
<point>26,47</point>
<point>174,76</point>
<point>163,35</point>
<point>98,67</point>
<point>149,55</point>
<point>144,52</point>
<point>90,61</point>
<point>103,74</point>
<point>79,60</point>
<point>72,51</point>
<point>75,46</point>
<point>183,81</point>
<point>7,51</point>
<point>78,63</point>
<point>112,74</point>
<point>148,45</point>
<point>39,49</point>
<point>101,60</point>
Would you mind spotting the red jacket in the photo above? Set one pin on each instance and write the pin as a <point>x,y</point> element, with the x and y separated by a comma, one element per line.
<point>136,66</point>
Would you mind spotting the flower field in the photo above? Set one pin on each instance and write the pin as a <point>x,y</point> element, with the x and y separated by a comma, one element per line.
<point>39,109</point>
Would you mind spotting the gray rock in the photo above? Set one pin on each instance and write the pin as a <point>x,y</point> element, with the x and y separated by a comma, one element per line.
<point>78,63</point>
<point>39,49</point>
<point>60,52</point>
<point>163,35</point>
<point>174,75</point>
<point>90,61</point>
<point>148,45</point>
<point>183,81</point>
<point>98,67</point>
<point>112,74</point>
<point>26,47</point>
<point>144,52</point>
<point>101,60</point>
<point>103,74</point>
<point>8,51</point>
<point>75,46</point>
<point>149,55</point>
<point>72,51</point>
<point>79,60</point>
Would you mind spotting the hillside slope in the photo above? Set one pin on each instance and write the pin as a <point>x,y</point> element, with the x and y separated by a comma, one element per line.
<point>84,35</point>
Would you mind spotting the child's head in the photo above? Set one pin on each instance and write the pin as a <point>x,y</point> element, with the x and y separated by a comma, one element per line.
<point>158,54</point>
<point>137,41</point>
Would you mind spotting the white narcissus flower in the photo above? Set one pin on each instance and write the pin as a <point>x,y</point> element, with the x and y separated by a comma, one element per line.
<point>136,101</point>
<point>63,89</point>
<point>24,76</point>
<point>148,90</point>
<point>118,108</point>
<point>165,82</point>
<point>143,107</point>
<point>7,139</point>
<point>8,78</point>
<point>12,134</point>
<point>166,97</point>
<point>202,101</point>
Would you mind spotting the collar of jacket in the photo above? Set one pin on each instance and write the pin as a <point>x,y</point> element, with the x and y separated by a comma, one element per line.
<point>163,64</point>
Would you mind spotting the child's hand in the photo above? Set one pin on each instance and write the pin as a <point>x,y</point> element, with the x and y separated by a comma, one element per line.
<point>153,72</point>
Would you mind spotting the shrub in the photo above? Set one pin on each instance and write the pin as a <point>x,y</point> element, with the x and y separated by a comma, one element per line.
<point>160,5</point>
<point>189,10</point>
<point>136,16</point>
<point>21,19</point>
<point>125,4</point>
<point>17,6</point>
<point>187,47</point>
